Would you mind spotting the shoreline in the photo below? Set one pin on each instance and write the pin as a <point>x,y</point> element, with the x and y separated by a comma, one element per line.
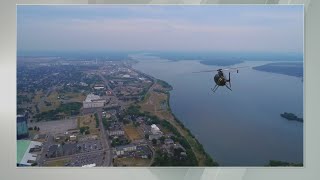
<point>202,157</point>
<point>199,145</point>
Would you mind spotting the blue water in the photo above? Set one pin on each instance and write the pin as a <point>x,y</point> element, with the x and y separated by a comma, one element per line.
<point>238,128</point>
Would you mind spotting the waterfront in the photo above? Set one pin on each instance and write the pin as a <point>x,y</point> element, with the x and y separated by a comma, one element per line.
<point>238,128</point>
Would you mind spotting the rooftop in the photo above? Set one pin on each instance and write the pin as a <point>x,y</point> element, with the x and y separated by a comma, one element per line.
<point>22,147</point>
<point>155,127</point>
<point>24,155</point>
<point>125,146</point>
<point>89,165</point>
<point>91,97</point>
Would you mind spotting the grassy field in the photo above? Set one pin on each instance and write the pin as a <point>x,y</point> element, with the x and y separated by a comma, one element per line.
<point>88,120</point>
<point>37,96</point>
<point>132,132</point>
<point>75,97</point>
<point>132,162</point>
<point>152,104</point>
<point>53,99</point>
<point>59,163</point>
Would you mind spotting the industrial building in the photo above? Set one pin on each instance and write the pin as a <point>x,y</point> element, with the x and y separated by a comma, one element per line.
<point>27,152</point>
<point>99,86</point>
<point>120,150</point>
<point>115,129</point>
<point>22,127</point>
<point>93,101</point>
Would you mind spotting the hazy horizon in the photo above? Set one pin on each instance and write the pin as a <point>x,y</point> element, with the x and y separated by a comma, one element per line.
<point>140,28</point>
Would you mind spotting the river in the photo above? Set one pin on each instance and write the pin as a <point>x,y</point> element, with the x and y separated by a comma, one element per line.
<point>241,127</point>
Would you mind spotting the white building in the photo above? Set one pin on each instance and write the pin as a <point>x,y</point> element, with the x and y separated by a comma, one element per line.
<point>90,165</point>
<point>120,150</point>
<point>99,86</point>
<point>73,138</point>
<point>116,132</point>
<point>83,84</point>
<point>93,101</point>
<point>155,129</point>
<point>155,132</point>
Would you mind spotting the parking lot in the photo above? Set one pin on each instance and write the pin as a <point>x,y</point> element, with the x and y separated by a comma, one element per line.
<point>56,127</point>
<point>80,160</point>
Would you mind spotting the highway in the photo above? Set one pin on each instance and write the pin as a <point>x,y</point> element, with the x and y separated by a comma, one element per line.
<point>105,141</point>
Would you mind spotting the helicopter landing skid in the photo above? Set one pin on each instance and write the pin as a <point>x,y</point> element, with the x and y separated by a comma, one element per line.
<point>215,88</point>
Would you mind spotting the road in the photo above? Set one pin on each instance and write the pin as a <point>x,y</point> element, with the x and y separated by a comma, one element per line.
<point>45,148</point>
<point>105,141</point>
<point>149,145</point>
<point>106,82</point>
<point>74,155</point>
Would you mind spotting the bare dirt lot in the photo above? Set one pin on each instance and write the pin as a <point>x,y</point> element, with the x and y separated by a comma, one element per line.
<point>88,120</point>
<point>56,127</point>
<point>57,163</point>
<point>132,132</point>
<point>152,104</point>
<point>132,162</point>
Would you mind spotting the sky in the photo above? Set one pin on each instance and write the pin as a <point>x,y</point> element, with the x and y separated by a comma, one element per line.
<point>92,28</point>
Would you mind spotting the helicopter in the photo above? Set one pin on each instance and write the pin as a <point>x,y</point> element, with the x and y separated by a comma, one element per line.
<point>220,79</point>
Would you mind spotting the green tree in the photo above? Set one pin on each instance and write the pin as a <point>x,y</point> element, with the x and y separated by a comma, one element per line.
<point>146,136</point>
<point>162,138</point>
<point>154,141</point>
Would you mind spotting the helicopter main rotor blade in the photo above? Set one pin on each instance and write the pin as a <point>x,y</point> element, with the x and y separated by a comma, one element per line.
<point>226,69</point>
<point>235,68</point>
<point>206,71</point>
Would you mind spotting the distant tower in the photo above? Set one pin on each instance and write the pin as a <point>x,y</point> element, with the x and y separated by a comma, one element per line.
<point>22,127</point>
